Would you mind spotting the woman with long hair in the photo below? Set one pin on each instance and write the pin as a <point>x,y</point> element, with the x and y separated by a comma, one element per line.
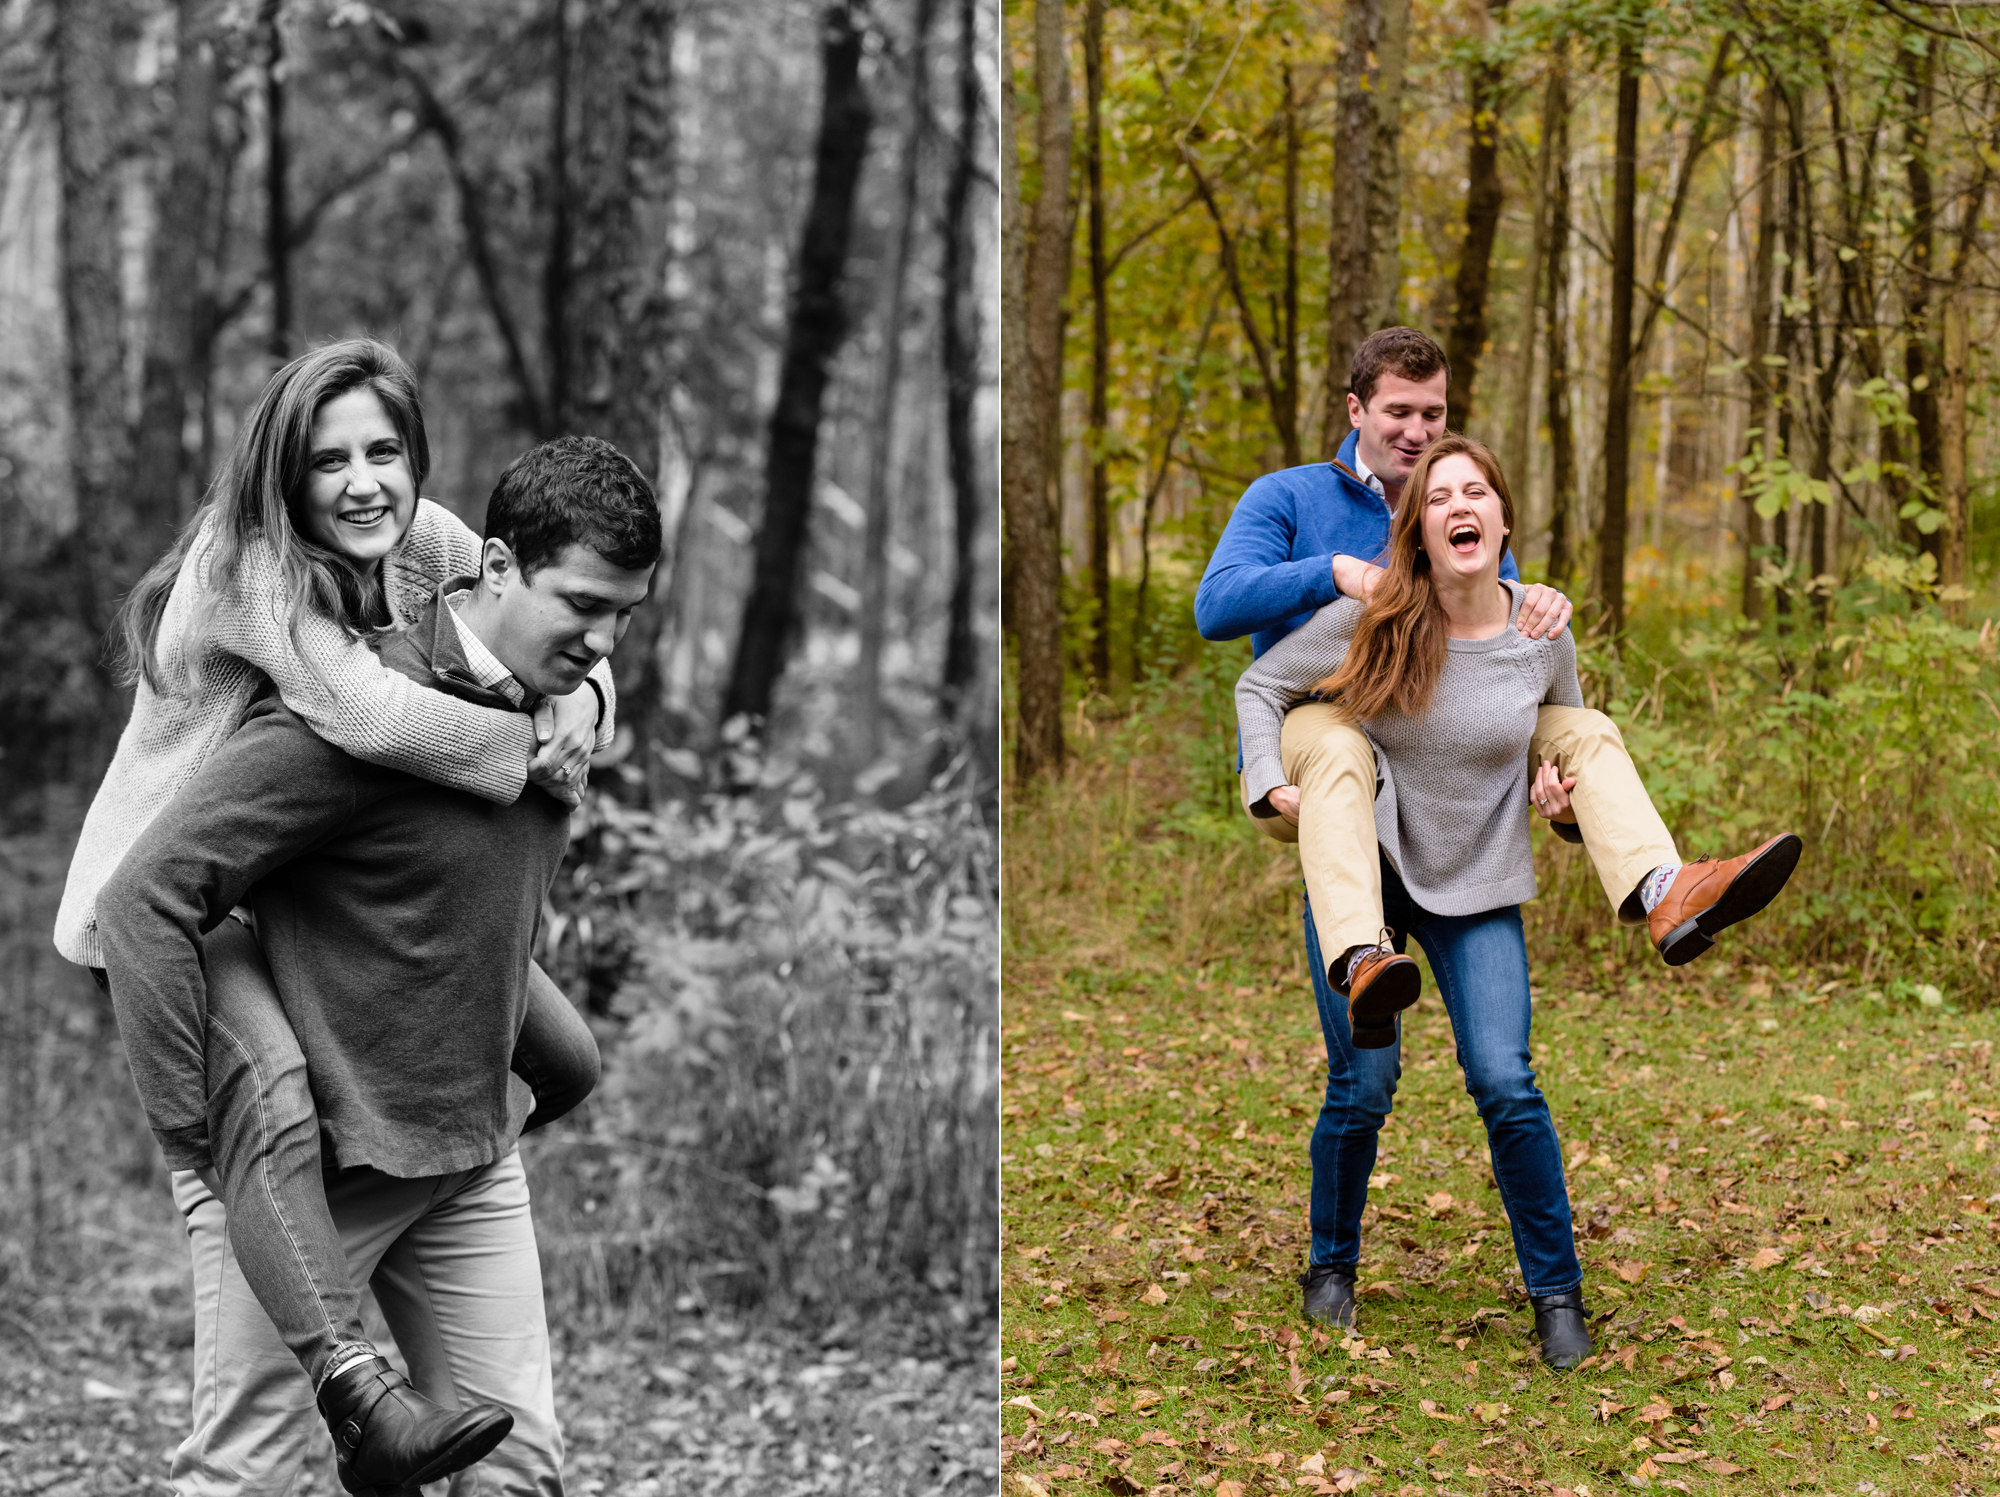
<point>312,537</point>
<point>1447,692</point>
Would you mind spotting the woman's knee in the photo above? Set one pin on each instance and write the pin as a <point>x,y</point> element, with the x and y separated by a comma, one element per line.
<point>253,1056</point>
<point>556,1054</point>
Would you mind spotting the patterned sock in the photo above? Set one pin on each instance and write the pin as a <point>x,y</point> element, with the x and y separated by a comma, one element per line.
<point>1354,955</point>
<point>1653,887</point>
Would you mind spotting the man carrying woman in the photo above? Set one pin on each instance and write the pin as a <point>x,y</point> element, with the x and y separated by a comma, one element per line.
<point>352,792</point>
<point>1445,842</point>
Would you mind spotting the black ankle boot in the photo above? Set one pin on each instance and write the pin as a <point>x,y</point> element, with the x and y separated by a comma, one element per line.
<point>387,1434</point>
<point>1329,1294</point>
<point>1562,1323</point>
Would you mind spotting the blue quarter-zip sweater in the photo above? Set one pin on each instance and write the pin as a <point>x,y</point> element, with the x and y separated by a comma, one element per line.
<point>1273,566</point>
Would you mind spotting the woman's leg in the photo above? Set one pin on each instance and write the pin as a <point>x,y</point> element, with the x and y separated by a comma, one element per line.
<point>555,1053</point>
<point>1481,966</point>
<point>1360,1090</point>
<point>264,1137</point>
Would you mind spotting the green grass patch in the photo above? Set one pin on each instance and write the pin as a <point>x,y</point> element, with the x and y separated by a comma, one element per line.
<point>1779,1173</point>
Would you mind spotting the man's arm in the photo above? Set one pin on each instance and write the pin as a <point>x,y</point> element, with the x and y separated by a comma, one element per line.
<point>269,793</point>
<point>1252,582</point>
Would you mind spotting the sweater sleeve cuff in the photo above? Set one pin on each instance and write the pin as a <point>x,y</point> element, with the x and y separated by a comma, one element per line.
<point>185,1147</point>
<point>1260,778</point>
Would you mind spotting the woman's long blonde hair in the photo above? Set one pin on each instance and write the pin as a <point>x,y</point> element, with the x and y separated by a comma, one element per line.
<point>1399,644</point>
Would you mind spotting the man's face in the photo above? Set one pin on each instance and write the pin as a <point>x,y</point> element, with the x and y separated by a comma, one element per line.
<point>549,630</point>
<point>1401,419</point>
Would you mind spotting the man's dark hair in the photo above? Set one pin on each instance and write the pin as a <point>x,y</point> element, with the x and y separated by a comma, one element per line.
<point>1394,350</point>
<point>575,491</point>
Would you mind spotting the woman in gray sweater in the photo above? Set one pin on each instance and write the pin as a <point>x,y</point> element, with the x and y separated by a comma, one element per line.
<point>1446,691</point>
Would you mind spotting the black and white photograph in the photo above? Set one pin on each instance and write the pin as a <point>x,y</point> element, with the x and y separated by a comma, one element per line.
<point>499,747</point>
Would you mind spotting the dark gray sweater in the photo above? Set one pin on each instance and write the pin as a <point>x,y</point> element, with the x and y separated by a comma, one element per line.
<point>1451,803</point>
<point>398,915</point>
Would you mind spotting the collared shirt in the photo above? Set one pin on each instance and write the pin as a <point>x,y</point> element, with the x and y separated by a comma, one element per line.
<point>1367,475</point>
<point>485,665</point>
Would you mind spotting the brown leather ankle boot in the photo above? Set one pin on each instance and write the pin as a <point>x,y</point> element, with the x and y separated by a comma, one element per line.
<point>1384,983</point>
<point>1707,896</point>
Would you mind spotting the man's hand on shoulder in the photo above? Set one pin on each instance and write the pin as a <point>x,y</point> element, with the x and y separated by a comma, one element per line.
<point>1354,577</point>
<point>1544,612</point>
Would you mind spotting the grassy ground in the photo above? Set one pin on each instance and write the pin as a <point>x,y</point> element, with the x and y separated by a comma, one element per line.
<point>1780,1183</point>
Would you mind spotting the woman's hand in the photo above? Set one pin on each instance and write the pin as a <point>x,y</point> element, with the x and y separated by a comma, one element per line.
<point>1550,793</point>
<point>1285,801</point>
<point>566,730</point>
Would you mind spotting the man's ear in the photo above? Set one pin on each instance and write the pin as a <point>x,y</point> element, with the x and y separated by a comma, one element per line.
<point>1354,409</point>
<point>496,565</point>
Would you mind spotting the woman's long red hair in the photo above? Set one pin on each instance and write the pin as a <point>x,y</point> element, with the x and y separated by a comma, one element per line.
<point>1399,644</point>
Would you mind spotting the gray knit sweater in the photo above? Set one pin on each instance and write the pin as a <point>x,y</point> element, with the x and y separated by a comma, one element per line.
<point>1451,803</point>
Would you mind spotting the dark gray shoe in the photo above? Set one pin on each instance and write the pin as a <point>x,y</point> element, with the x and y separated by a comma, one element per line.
<point>1329,1294</point>
<point>1563,1325</point>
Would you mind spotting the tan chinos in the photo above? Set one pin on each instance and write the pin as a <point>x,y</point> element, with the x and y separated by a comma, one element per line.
<point>1333,765</point>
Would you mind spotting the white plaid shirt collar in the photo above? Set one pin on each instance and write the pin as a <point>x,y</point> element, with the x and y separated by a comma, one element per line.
<point>485,666</point>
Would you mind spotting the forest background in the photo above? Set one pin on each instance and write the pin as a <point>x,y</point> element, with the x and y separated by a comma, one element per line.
<point>753,246</point>
<point>1717,282</point>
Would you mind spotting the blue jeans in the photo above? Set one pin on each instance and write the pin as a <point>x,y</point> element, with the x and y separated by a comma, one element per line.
<point>1480,963</point>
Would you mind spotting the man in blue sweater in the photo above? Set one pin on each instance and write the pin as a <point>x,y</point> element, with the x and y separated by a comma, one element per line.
<point>1299,539</point>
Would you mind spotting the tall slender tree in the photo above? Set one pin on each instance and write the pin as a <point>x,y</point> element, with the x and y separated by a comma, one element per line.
<point>1366,191</point>
<point>1562,435</point>
<point>814,333</point>
<point>1618,343</point>
<point>1465,344</point>
<point>1758,443</point>
<point>1100,346</point>
<point>961,379</point>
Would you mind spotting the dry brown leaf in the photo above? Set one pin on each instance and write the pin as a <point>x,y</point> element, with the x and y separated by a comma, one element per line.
<point>1144,1399</point>
<point>1429,1409</point>
<point>1766,1258</point>
<point>1314,1464</point>
<point>1775,1402</point>
<point>1108,1446</point>
<point>1154,1295</point>
<point>1229,1489</point>
<point>1159,1437</point>
<point>1680,1457</point>
<point>1631,1272</point>
<point>1722,1468</point>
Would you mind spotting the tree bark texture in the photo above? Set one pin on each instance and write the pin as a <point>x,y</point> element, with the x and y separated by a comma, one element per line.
<point>1562,435</point>
<point>817,325</point>
<point>1618,355</point>
<point>1757,440</point>
<point>1366,191</point>
<point>1051,227</point>
<point>277,182</point>
<point>1918,72</point>
<point>614,325</point>
<point>1100,346</point>
<point>1951,448</point>
<point>90,105</point>
<point>882,434</point>
<point>181,280</point>
<point>1465,344</point>
<point>1031,379</point>
<point>1521,409</point>
<point>961,381</point>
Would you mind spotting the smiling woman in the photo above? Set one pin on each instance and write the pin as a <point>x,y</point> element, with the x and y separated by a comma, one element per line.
<point>359,495</point>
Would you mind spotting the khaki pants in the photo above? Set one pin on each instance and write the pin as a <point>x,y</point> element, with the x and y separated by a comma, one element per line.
<point>1333,765</point>
<point>453,1264</point>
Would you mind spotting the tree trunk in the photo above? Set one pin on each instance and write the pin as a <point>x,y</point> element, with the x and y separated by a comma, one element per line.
<point>1515,439</point>
<point>1785,400</point>
<point>1051,229</point>
<point>1618,356</point>
<point>1031,386</point>
<point>1466,342</point>
<point>1757,439</point>
<point>90,106</point>
<point>1288,313</point>
<point>1917,72</point>
<point>961,381</point>
<point>1951,452</point>
<point>818,324</point>
<point>1562,436</point>
<point>882,442</point>
<point>1100,347</point>
<point>1366,195</point>
<point>613,317</point>
<point>277,171</point>
<point>556,266</point>
<point>176,340</point>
